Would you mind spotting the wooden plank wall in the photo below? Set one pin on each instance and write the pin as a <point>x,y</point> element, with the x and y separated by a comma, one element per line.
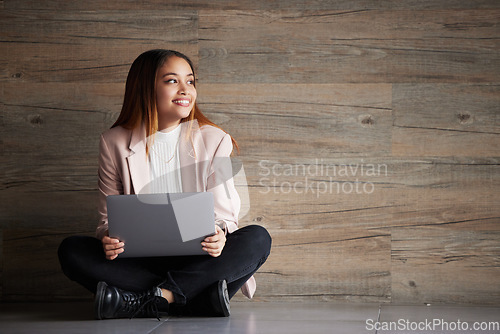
<point>369,133</point>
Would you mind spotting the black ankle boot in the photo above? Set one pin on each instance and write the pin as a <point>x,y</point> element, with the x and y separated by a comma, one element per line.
<point>219,298</point>
<point>213,302</point>
<point>112,303</point>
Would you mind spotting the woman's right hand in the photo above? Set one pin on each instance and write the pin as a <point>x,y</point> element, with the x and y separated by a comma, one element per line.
<point>112,247</point>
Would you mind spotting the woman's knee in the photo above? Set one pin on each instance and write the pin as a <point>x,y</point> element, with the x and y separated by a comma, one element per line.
<point>65,247</point>
<point>69,245</point>
<point>65,253</point>
<point>72,247</point>
<point>261,239</point>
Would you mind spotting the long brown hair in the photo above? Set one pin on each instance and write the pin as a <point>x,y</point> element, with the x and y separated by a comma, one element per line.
<point>139,102</point>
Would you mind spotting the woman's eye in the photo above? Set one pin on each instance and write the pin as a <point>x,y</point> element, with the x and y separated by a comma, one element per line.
<point>171,81</point>
<point>191,82</point>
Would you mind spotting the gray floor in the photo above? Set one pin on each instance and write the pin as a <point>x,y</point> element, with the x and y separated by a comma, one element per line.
<point>253,317</point>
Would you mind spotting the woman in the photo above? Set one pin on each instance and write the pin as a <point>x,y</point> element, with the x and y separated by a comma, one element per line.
<point>161,142</point>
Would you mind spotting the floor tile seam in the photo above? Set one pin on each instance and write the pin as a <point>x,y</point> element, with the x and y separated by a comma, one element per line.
<point>378,316</point>
<point>160,323</point>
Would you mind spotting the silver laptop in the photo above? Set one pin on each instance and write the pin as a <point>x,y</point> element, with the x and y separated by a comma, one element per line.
<point>161,224</point>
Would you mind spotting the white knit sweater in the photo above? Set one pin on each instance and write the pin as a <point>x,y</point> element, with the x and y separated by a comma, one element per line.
<point>165,163</point>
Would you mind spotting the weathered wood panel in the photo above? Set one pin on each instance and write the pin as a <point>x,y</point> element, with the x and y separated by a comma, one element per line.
<point>337,85</point>
<point>87,46</point>
<point>274,121</point>
<point>68,116</point>
<point>452,263</point>
<point>389,193</point>
<point>361,46</point>
<point>250,5</point>
<point>427,194</point>
<point>344,256</point>
<point>446,120</point>
<point>433,193</point>
<point>33,271</point>
<point>1,264</point>
<point>50,148</point>
<point>467,107</point>
<point>440,142</point>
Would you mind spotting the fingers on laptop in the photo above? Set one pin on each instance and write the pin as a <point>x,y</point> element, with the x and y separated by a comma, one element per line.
<point>213,245</point>
<point>112,247</point>
<point>113,253</point>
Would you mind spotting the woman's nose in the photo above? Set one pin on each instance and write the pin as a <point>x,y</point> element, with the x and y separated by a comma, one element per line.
<point>183,89</point>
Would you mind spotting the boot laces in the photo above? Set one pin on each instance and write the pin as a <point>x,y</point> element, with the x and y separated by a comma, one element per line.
<point>144,304</point>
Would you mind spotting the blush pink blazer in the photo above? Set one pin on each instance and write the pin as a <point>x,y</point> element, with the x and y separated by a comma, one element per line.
<point>205,166</point>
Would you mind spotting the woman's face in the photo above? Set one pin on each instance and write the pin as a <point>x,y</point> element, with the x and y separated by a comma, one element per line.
<point>175,92</point>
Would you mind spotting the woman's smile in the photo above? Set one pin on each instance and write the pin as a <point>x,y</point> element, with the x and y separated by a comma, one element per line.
<point>182,102</point>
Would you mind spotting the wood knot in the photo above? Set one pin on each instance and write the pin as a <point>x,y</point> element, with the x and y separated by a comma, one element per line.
<point>258,219</point>
<point>17,75</point>
<point>36,120</point>
<point>464,118</point>
<point>412,284</point>
<point>367,120</point>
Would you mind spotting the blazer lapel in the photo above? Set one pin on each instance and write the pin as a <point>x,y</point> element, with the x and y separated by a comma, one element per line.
<point>192,154</point>
<point>138,161</point>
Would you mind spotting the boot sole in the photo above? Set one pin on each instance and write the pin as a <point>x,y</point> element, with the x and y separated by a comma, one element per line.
<point>99,297</point>
<point>224,298</point>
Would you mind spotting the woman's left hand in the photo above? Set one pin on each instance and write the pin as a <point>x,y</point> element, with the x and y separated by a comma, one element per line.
<point>213,245</point>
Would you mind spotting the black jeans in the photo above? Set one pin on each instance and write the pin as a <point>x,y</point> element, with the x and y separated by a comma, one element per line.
<point>82,260</point>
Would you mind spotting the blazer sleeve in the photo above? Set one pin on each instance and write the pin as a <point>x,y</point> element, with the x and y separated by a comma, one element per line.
<point>220,182</point>
<point>109,183</point>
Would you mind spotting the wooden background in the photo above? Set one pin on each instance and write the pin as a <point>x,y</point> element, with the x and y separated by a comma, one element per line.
<point>408,87</point>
